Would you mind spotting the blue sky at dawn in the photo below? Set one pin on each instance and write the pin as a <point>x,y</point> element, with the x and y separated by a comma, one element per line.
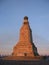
<point>11,19</point>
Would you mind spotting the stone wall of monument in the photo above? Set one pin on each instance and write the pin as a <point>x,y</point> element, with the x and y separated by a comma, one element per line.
<point>25,45</point>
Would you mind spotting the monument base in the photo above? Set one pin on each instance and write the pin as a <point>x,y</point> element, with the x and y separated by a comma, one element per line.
<point>23,58</point>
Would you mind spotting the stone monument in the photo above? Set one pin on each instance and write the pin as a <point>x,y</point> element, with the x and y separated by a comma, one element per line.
<point>25,45</point>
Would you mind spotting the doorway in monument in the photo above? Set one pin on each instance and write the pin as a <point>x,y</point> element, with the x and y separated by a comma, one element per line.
<point>25,54</point>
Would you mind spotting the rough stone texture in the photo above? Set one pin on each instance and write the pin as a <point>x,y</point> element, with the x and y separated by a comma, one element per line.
<point>25,46</point>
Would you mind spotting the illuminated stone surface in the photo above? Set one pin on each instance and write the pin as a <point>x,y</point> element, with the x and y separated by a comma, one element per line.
<point>25,45</point>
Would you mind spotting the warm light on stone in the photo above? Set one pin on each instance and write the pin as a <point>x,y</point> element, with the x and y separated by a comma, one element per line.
<point>25,45</point>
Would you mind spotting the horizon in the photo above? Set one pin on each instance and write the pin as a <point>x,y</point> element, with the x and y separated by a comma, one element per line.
<point>11,20</point>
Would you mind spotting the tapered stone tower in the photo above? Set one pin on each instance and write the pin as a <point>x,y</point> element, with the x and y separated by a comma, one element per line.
<point>25,45</point>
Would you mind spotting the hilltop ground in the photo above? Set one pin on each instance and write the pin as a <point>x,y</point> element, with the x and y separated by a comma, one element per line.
<point>44,61</point>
